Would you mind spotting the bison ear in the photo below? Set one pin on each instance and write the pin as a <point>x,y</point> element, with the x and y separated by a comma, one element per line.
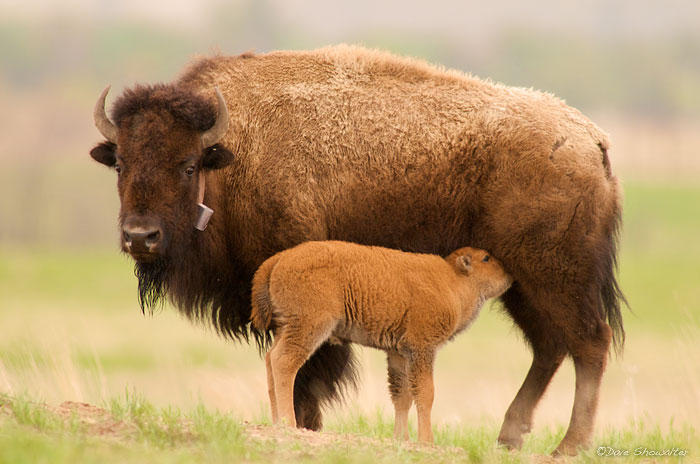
<point>216,157</point>
<point>464,264</point>
<point>105,153</point>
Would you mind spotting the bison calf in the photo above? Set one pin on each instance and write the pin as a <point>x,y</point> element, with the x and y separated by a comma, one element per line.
<point>406,304</point>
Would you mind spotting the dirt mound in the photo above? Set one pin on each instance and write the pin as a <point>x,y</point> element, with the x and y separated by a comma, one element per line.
<point>95,421</point>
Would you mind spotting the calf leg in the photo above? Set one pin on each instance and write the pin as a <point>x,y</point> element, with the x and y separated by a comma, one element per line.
<point>548,353</point>
<point>292,348</point>
<point>285,359</point>
<point>294,343</point>
<point>400,391</point>
<point>421,374</point>
<point>271,385</point>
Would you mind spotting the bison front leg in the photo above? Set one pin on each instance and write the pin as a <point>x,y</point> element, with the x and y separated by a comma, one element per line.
<point>548,353</point>
<point>518,419</point>
<point>400,391</point>
<point>421,374</point>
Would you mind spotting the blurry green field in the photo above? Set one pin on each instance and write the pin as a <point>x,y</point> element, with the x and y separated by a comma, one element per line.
<point>70,329</point>
<point>660,259</point>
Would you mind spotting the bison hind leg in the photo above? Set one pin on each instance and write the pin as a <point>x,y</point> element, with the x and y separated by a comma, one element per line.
<point>590,355</point>
<point>558,324</point>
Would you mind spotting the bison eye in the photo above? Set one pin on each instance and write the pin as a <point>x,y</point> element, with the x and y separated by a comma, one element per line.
<point>189,171</point>
<point>118,168</point>
<point>486,259</point>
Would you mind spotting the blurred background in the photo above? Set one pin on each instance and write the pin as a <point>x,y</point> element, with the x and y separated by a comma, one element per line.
<point>70,327</point>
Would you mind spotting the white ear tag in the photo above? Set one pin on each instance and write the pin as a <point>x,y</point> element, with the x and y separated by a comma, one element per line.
<point>205,213</point>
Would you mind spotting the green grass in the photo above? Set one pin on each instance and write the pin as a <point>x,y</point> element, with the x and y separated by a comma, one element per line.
<point>29,432</point>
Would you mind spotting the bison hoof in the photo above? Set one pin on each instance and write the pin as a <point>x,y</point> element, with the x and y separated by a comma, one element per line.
<point>566,449</point>
<point>511,442</point>
<point>511,435</point>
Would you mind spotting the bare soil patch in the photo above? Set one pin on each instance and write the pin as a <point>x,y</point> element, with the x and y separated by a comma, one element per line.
<point>94,420</point>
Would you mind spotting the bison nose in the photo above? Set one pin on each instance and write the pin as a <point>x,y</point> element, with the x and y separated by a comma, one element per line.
<point>140,239</point>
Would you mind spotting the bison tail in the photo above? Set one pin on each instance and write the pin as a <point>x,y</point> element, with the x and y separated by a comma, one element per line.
<point>262,311</point>
<point>611,296</point>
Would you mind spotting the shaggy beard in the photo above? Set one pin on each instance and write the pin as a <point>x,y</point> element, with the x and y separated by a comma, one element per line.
<point>152,284</point>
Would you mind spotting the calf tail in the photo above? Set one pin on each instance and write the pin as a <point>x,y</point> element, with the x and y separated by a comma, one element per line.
<point>262,312</point>
<point>324,378</point>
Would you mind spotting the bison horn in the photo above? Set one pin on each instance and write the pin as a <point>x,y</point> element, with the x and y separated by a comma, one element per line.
<point>102,122</point>
<point>217,131</point>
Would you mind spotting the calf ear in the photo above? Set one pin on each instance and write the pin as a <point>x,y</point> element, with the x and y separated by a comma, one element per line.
<point>464,264</point>
<point>216,157</point>
<point>105,153</point>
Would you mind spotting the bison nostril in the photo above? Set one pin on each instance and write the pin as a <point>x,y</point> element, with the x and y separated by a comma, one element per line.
<point>141,240</point>
<point>152,238</point>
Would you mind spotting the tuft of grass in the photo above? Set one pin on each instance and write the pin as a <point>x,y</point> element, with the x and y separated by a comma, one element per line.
<point>133,406</point>
<point>377,426</point>
<point>32,414</point>
<point>220,434</point>
<point>478,443</point>
<point>158,428</point>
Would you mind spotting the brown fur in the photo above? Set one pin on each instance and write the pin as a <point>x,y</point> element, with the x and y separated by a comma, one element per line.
<point>193,111</point>
<point>406,304</point>
<point>358,145</point>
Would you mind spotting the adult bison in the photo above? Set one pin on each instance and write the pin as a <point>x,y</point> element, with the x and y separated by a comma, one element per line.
<point>351,144</point>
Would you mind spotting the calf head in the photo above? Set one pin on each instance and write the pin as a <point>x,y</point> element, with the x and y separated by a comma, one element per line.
<point>483,269</point>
